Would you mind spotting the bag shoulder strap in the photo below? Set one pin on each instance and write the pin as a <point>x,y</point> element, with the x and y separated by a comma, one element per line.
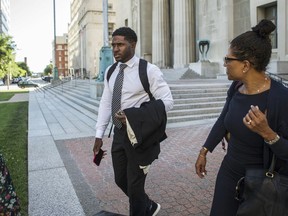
<point>272,166</point>
<point>144,77</point>
<point>111,70</point>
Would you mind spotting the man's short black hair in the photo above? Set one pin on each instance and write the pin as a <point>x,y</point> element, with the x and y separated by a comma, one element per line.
<point>127,32</point>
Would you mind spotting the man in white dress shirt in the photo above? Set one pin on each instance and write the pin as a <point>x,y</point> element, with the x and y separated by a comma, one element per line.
<point>129,174</point>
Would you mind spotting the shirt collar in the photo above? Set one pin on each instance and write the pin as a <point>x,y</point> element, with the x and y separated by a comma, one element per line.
<point>131,62</point>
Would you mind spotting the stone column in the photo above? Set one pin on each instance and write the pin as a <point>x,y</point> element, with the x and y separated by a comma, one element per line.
<point>161,33</point>
<point>184,37</point>
<point>146,29</point>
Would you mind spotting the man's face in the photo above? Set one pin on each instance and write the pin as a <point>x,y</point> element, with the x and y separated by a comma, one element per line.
<point>123,50</point>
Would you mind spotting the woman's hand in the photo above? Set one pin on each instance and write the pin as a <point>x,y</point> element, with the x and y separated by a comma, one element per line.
<point>257,122</point>
<point>200,164</point>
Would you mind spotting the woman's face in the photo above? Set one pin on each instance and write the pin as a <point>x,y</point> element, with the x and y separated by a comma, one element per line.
<point>234,67</point>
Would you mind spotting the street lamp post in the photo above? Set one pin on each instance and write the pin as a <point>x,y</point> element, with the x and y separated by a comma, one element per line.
<point>55,70</point>
<point>105,23</point>
<point>106,55</point>
<point>82,35</point>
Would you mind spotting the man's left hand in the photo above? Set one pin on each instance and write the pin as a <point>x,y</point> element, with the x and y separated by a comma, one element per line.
<point>121,117</point>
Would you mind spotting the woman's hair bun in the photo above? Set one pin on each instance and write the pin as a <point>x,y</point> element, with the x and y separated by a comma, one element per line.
<point>264,28</point>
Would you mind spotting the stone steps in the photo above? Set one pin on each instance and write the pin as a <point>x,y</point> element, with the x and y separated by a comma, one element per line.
<point>192,101</point>
<point>198,100</point>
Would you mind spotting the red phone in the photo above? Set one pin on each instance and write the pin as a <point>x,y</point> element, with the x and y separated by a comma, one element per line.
<point>98,157</point>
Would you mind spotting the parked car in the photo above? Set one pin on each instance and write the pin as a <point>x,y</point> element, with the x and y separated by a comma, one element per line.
<point>16,79</point>
<point>47,78</point>
<point>27,83</point>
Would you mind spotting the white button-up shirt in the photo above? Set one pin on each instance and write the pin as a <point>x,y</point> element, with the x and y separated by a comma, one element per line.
<point>133,93</point>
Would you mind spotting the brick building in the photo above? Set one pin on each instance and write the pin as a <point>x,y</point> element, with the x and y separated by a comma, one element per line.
<point>61,55</point>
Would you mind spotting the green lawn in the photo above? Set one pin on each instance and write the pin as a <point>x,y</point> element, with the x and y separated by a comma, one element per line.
<point>6,95</point>
<point>13,145</point>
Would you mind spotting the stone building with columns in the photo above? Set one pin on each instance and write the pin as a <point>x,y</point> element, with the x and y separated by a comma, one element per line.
<point>169,31</point>
<point>165,28</point>
<point>85,36</point>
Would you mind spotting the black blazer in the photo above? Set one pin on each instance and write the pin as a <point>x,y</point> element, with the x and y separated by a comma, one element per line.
<point>277,116</point>
<point>148,123</point>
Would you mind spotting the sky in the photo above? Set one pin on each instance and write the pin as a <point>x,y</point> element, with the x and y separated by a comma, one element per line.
<point>32,29</point>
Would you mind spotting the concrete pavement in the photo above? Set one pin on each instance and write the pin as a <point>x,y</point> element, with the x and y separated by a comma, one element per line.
<point>64,181</point>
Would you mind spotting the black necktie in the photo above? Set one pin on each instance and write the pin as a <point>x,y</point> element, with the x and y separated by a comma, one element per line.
<point>116,96</point>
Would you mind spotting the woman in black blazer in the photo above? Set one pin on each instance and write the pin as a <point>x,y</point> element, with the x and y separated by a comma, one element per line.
<point>255,115</point>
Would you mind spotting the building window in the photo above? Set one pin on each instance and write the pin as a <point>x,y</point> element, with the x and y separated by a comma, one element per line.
<point>60,58</point>
<point>110,6</point>
<point>270,13</point>
<point>110,31</point>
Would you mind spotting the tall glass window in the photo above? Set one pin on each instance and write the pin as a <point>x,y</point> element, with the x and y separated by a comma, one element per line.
<point>110,31</point>
<point>271,14</point>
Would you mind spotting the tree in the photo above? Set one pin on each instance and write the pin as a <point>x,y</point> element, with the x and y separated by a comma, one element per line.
<point>24,67</point>
<point>48,69</point>
<point>17,71</point>
<point>7,48</point>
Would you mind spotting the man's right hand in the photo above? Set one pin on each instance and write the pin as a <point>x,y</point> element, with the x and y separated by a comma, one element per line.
<point>97,145</point>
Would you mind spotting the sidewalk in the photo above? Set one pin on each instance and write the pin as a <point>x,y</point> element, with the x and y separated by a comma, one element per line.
<point>64,181</point>
<point>18,98</point>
